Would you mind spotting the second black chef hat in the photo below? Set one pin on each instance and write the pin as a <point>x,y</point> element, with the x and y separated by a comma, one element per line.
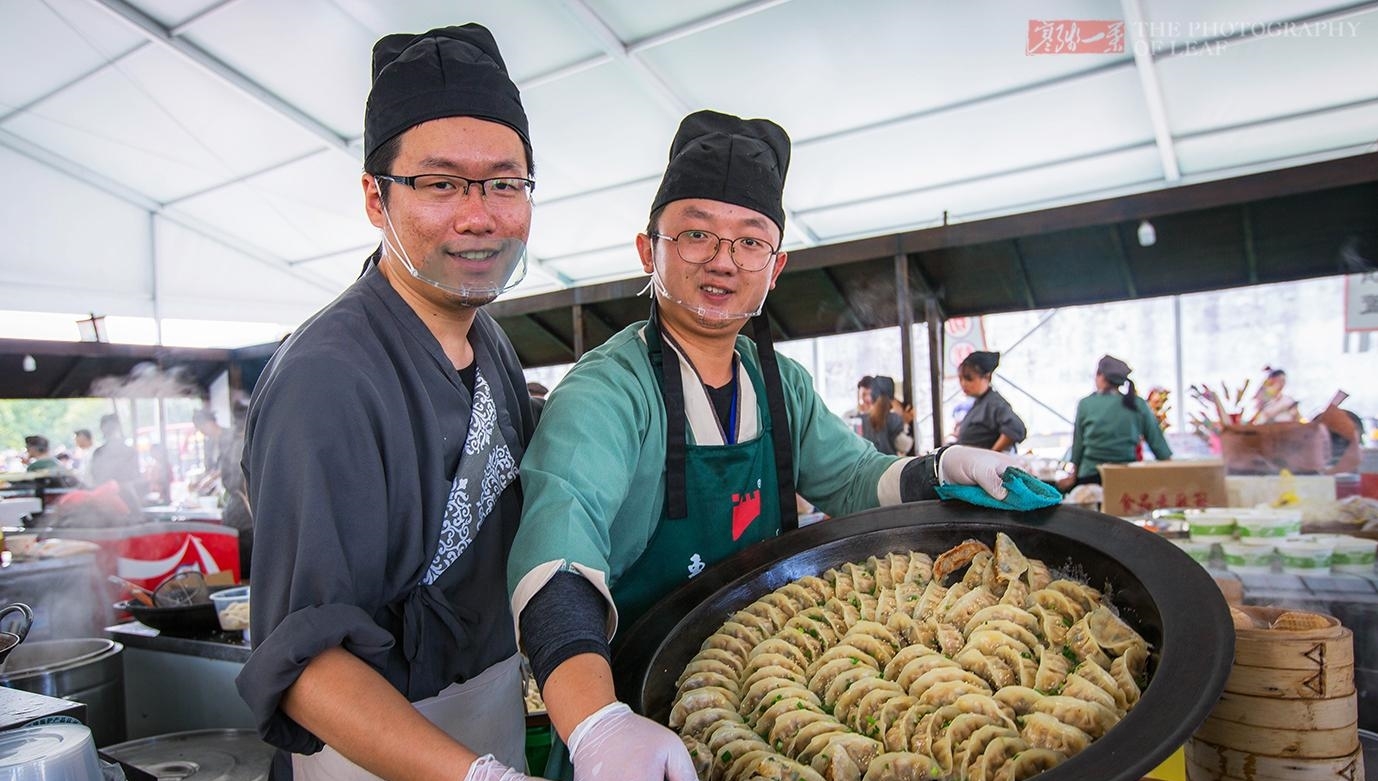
<point>719,157</point>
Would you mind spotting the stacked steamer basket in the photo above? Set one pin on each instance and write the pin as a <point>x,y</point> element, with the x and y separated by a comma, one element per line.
<point>1289,711</point>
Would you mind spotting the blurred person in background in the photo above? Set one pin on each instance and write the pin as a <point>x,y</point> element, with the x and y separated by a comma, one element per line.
<point>1110,424</point>
<point>1271,402</point>
<point>886,424</point>
<point>538,392</point>
<point>36,457</point>
<point>81,454</point>
<point>990,423</point>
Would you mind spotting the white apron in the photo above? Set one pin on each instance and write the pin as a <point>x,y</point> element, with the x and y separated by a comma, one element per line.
<point>487,714</point>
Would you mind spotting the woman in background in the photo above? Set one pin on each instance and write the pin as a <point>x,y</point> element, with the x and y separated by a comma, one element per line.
<point>990,423</point>
<point>1110,424</point>
<point>882,426</point>
<point>1272,402</point>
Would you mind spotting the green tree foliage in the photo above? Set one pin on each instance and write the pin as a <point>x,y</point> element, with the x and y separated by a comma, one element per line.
<point>55,419</point>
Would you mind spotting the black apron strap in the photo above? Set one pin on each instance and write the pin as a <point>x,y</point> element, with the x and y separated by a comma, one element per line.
<point>672,388</point>
<point>779,422</point>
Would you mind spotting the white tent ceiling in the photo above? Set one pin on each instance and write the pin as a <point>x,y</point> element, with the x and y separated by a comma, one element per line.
<point>200,158</point>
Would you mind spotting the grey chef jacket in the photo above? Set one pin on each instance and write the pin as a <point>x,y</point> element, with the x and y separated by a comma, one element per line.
<point>990,416</point>
<point>352,441</point>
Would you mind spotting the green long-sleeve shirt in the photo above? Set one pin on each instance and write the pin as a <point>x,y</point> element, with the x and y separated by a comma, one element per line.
<point>1107,432</point>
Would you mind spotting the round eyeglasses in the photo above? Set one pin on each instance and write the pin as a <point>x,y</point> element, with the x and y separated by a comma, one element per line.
<point>700,246</point>
<point>446,188</point>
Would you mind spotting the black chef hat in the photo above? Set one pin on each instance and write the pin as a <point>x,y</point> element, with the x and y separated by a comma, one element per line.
<point>984,362</point>
<point>720,157</point>
<point>447,72</point>
<point>1115,371</point>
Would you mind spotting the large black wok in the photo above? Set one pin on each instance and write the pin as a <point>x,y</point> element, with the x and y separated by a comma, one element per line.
<point>1158,589</point>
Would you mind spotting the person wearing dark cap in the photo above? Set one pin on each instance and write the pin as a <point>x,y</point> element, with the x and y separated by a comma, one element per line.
<point>691,440</point>
<point>381,450</point>
<point>990,423</point>
<point>1110,424</point>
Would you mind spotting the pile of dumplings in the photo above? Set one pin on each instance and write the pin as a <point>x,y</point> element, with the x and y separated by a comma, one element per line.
<point>877,671</point>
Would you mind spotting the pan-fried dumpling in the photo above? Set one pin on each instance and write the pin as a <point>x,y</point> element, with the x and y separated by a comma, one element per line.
<point>1015,614</point>
<point>698,699</point>
<point>970,604</point>
<point>810,732</point>
<point>723,655</point>
<point>902,766</point>
<point>770,690</point>
<point>1053,668</point>
<point>767,612</point>
<point>1010,562</point>
<point>765,722</point>
<point>969,750</point>
<point>977,573</point>
<point>699,665</point>
<point>920,666</point>
<point>774,651</point>
<point>845,755</point>
<point>1010,629</point>
<point>844,650</point>
<point>708,678</point>
<point>920,568</point>
<point>1016,593</point>
<point>1080,642</point>
<point>879,651</point>
<point>1127,670</point>
<point>880,566</point>
<point>699,754</point>
<point>956,731</point>
<point>769,765</point>
<point>786,726</point>
<point>1111,632</point>
<point>1044,731</point>
<point>1090,717</point>
<point>846,612</point>
<point>844,680</point>
<point>824,676</point>
<point>1085,596</point>
<point>725,756</point>
<point>1039,576</point>
<point>775,696</point>
<point>732,645</point>
<point>751,635</point>
<point>1077,686</point>
<point>848,700</point>
<point>998,752</point>
<point>933,595</point>
<point>1029,763</point>
<point>701,723</point>
<point>1019,699</point>
<point>1105,682</point>
<point>773,671</point>
<point>1058,602</point>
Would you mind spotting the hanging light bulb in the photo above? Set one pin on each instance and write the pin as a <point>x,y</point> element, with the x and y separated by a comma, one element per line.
<point>30,365</point>
<point>1147,235</point>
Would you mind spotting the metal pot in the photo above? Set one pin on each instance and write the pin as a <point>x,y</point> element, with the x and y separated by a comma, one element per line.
<point>1162,592</point>
<point>86,670</point>
<point>202,755</point>
<point>8,640</point>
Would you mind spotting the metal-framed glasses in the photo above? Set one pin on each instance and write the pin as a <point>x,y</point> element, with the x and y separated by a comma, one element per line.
<point>700,246</point>
<point>447,188</point>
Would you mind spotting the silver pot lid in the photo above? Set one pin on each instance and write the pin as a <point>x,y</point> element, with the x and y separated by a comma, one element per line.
<point>201,755</point>
<point>47,655</point>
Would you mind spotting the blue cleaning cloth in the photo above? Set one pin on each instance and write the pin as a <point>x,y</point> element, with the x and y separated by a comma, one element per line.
<point>1026,493</point>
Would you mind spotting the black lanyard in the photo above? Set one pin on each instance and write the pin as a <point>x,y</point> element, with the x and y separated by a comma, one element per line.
<point>676,438</point>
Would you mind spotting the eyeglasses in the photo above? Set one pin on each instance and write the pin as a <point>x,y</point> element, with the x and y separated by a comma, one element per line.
<point>697,246</point>
<point>447,188</point>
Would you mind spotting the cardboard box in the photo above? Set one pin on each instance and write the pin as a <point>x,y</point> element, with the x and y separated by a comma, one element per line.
<point>1315,493</point>
<point>1267,449</point>
<point>1138,488</point>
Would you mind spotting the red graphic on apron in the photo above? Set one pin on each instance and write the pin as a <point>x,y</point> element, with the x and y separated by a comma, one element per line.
<point>745,510</point>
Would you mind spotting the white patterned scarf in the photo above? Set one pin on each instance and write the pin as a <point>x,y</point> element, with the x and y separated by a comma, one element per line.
<point>486,468</point>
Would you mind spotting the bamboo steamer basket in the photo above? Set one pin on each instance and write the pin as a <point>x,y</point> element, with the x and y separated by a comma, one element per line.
<point>1289,711</point>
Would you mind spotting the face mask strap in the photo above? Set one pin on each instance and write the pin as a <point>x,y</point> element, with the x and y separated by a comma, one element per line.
<point>481,294</point>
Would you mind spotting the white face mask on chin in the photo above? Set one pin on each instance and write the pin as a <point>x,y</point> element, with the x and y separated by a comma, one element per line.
<point>496,266</point>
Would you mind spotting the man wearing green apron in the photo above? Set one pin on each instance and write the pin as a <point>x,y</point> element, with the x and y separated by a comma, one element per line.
<point>679,442</point>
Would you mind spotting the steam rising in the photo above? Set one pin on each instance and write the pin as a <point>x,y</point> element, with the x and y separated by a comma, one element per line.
<point>146,381</point>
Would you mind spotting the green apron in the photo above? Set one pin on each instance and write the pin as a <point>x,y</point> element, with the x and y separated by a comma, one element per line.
<point>719,498</point>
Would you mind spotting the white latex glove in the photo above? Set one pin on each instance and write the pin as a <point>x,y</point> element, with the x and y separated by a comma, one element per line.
<point>976,466</point>
<point>617,745</point>
<point>488,768</point>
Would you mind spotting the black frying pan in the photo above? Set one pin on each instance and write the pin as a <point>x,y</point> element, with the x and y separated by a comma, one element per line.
<point>1158,589</point>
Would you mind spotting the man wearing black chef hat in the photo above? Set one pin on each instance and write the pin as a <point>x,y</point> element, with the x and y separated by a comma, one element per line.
<point>680,441</point>
<point>991,422</point>
<point>382,445</point>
